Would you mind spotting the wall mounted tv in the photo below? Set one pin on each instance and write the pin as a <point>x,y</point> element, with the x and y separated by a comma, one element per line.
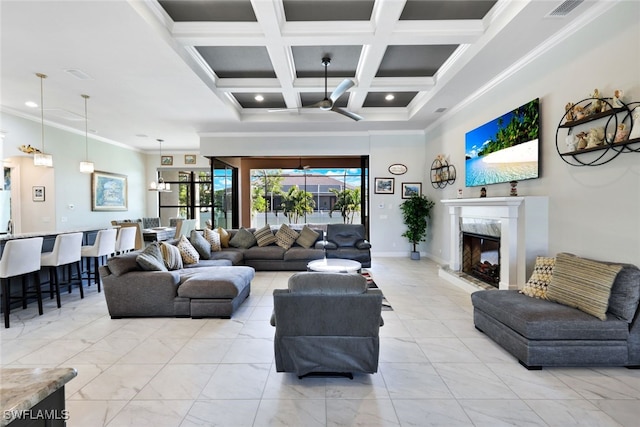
<point>504,149</point>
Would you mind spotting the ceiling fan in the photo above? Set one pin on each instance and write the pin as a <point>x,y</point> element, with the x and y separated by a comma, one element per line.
<point>327,104</point>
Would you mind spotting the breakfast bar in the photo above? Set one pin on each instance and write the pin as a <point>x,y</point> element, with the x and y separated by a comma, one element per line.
<point>34,396</point>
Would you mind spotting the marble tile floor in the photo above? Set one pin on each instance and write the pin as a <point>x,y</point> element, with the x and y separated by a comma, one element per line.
<point>435,368</point>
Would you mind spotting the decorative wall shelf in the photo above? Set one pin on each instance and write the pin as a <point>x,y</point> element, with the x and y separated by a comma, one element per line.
<point>442,173</point>
<point>614,125</point>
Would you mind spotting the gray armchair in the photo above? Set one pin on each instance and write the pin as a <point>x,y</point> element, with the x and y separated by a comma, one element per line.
<point>347,241</point>
<point>327,323</point>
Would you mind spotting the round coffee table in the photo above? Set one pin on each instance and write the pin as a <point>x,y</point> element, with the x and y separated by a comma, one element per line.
<point>334,265</point>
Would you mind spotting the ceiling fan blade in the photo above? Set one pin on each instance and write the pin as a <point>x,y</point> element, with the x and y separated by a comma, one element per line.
<point>347,113</point>
<point>342,88</point>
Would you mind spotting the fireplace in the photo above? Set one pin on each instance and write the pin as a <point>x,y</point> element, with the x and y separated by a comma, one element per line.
<point>512,229</point>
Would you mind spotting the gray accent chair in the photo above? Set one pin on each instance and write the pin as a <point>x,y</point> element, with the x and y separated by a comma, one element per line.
<point>348,241</point>
<point>327,324</point>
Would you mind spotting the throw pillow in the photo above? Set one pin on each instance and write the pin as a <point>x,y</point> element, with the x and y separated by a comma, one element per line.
<point>200,243</point>
<point>224,237</point>
<point>243,239</point>
<point>307,237</point>
<point>582,283</point>
<point>213,238</point>
<point>188,253</point>
<point>151,258</point>
<point>537,284</point>
<point>625,294</point>
<point>171,256</point>
<point>264,236</point>
<point>285,236</point>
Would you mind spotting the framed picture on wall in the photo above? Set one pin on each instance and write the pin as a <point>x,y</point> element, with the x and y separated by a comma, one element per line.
<point>166,160</point>
<point>108,191</point>
<point>190,159</point>
<point>384,185</point>
<point>411,188</point>
<point>38,193</point>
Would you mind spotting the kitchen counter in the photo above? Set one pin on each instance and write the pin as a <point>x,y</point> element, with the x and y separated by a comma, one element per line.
<point>33,393</point>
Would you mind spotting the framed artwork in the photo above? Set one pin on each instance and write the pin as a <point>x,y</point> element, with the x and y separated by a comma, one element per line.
<point>166,160</point>
<point>108,192</point>
<point>411,188</point>
<point>190,159</point>
<point>384,185</point>
<point>37,194</point>
<point>398,169</point>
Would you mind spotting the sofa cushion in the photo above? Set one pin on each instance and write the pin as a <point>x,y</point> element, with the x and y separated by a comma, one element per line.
<point>285,236</point>
<point>209,263</point>
<point>264,236</point>
<point>243,239</point>
<point>537,284</point>
<point>307,237</point>
<point>272,252</point>
<point>582,283</point>
<point>363,244</point>
<point>314,283</point>
<point>298,253</point>
<point>122,264</point>
<point>625,293</point>
<point>345,235</point>
<point>538,319</point>
<point>150,259</point>
<point>236,256</point>
<point>188,253</point>
<point>225,236</point>
<point>171,256</point>
<point>201,244</point>
<point>213,237</point>
<point>215,282</point>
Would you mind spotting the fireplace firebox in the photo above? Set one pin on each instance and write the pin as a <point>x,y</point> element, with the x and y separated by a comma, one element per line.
<point>481,257</point>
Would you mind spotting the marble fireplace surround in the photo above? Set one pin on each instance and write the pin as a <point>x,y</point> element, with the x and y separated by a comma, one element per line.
<point>524,225</point>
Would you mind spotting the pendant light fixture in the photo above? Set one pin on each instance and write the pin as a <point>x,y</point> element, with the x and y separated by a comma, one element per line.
<point>42,159</point>
<point>159,185</point>
<point>86,166</point>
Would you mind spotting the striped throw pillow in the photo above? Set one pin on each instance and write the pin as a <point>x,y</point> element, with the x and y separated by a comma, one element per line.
<point>582,283</point>
<point>171,256</point>
<point>285,236</point>
<point>265,236</point>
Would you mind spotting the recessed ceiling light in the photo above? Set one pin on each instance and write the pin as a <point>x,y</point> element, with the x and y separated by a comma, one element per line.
<point>389,97</point>
<point>259,98</point>
<point>31,104</point>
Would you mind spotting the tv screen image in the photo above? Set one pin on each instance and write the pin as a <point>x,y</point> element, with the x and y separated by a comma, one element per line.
<point>504,149</point>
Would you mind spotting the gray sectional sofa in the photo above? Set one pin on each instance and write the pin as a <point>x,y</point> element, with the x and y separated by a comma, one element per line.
<point>542,333</point>
<point>346,241</point>
<point>208,289</point>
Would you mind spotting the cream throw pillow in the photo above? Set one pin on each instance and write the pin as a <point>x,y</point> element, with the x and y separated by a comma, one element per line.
<point>213,238</point>
<point>537,284</point>
<point>582,283</point>
<point>224,237</point>
<point>188,253</point>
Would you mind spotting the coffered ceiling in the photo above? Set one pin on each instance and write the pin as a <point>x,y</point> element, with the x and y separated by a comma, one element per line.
<point>178,69</point>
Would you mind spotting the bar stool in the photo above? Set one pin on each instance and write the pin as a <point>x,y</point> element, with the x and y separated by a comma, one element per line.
<point>126,240</point>
<point>21,257</point>
<point>104,245</point>
<point>66,251</point>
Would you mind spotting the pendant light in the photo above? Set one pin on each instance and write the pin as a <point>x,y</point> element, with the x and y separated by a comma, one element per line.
<point>42,159</point>
<point>159,185</point>
<point>86,166</point>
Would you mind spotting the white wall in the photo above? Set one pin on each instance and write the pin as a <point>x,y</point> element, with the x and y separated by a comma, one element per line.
<point>593,211</point>
<point>67,203</point>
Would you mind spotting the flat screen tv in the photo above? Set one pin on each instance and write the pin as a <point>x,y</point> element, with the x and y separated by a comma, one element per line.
<point>504,149</point>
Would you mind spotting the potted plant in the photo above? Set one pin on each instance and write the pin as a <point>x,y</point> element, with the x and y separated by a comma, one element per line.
<point>415,212</point>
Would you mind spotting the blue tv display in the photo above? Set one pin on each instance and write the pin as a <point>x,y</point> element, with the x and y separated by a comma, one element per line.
<point>504,149</point>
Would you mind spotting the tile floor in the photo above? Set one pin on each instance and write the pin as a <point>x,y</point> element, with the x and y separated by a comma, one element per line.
<point>435,368</point>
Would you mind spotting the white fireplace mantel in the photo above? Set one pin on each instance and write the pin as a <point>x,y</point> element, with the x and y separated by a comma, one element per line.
<point>524,225</point>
